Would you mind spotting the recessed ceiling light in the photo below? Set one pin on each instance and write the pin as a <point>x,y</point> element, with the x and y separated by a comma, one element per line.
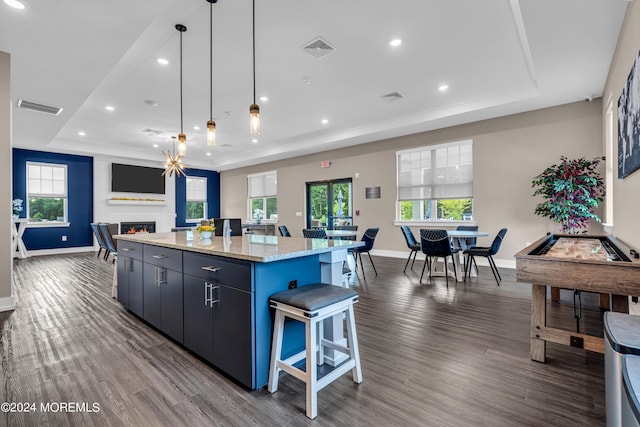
<point>254,140</point>
<point>208,154</point>
<point>264,98</point>
<point>442,88</point>
<point>14,3</point>
<point>162,61</point>
<point>325,121</point>
<point>196,128</point>
<point>81,133</point>
<point>109,108</point>
<point>395,42</point>
<point>155,145</point>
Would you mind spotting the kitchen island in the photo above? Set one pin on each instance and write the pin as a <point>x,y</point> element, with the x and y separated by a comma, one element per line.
<point>211,295</point>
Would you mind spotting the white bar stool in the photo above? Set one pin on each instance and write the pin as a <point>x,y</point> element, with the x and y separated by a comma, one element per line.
<point>312,304</point>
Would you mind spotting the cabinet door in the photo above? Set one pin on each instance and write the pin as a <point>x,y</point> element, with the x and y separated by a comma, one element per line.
<point>232,335</point>
<point>123,280</point>
<point>198,317</point>
<point>135,286</point>
<point>153,276</point>
<point>171,294</point>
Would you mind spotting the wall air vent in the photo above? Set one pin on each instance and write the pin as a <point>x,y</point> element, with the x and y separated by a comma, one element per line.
<point>34,106</point>
<point>390,97</point>
<point>319,48</point>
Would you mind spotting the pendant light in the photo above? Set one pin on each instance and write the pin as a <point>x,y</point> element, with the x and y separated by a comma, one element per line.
<point>182,138</point>
<point>211,124</point>
<point>254,109</point>
<point>173,162</point>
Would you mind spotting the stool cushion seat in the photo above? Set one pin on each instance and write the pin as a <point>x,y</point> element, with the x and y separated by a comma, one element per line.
<point>313,297</point>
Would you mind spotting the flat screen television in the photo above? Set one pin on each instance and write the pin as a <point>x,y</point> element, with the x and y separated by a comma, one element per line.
<point>136,179</point>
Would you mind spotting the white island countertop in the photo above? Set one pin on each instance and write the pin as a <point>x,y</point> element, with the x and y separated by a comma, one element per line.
<point>248,247</point>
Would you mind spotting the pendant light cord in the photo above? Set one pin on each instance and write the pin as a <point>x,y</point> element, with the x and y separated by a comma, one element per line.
<point>211,61</point>
<point>254,51</point>
<point>181,130</point>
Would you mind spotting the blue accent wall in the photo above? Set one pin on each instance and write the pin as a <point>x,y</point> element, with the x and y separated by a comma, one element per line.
<point>79,199</point>
<point>213,195</point>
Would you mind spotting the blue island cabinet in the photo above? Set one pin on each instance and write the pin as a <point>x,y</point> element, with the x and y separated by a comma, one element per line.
<point>227,320</point>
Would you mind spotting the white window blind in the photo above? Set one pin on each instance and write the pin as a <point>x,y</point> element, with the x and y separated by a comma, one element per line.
<point>46,180</point>
<point>263,184</point>
<point>436,172</point>
<point>196,189</point>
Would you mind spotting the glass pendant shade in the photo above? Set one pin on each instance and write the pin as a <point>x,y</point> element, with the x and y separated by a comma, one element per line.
<point>254,117</point>
<point>182,144</point>
<point>211,133</point>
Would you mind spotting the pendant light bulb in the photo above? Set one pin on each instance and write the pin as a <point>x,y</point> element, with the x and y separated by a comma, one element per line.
<point>211,133</point>
<point>254,117</point>
<point>182,144</point>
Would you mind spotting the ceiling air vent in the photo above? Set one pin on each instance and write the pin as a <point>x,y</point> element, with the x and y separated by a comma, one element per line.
<point>319,48</point>
<point>34,106</point>
<point>390,97</point>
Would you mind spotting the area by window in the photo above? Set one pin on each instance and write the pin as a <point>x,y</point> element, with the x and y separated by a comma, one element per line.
<point>196,199</point>
<point>47,192</point>
<point>263,196</point>
<point>435,183</point>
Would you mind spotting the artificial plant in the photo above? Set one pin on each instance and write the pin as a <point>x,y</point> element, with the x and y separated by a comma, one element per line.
<point>572,190</point>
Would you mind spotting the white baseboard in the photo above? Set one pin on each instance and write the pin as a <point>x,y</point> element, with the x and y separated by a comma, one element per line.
<point>60,251</point>
<point>502,263</point>
<point>7,304</point>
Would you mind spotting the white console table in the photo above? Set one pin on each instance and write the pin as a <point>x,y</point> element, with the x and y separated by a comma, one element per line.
<point>18,249</point>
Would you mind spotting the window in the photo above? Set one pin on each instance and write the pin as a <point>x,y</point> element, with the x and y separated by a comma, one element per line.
<point>196,199</point>
<point>436,183</point>
<point>263,196</point>
<point>46,192</point>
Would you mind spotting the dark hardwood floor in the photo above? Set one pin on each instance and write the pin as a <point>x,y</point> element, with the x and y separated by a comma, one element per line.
<point>431,356</point>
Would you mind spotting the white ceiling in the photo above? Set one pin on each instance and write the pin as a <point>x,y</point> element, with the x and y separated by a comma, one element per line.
<point>498,57</point>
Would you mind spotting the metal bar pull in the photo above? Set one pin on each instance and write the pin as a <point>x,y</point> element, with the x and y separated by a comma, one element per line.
<point>211,269</point>
<point>128,249</point>
<point>161,276</point>
<point>214,301</point>
<point>207,298</point>
<point>160,256</point>
<point>128,264</point>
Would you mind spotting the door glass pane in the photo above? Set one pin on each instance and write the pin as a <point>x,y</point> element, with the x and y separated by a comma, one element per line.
<point>319,204</point>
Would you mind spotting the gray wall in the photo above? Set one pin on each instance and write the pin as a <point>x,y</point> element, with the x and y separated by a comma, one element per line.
<point>508,152</point>
<point>626,193</point>
<point>6,263</point>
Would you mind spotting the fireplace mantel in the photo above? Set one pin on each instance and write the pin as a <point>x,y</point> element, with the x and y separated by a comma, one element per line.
<point>136,202</point>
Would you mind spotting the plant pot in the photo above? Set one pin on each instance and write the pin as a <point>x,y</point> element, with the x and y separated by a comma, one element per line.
<point>205,234</point>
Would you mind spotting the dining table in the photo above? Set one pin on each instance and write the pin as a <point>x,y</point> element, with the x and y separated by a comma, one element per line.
<point>459,240</point>
<point>342,234</point>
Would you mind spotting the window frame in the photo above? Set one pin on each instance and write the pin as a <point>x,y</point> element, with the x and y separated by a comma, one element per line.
<point>42,195</point>
<point>262,191</point>
<point>424,204</point>
<point>205,202</point>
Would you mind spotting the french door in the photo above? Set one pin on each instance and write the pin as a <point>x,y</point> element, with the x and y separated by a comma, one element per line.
<point>329,203</point>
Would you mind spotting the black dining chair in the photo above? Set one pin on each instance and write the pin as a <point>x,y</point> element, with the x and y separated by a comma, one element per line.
<point>96,232</point>
<point>284,232</point>
<point>435,243</point>
<point>487,252</point>
<point>412,244</point>
<point>369,239</point>
<point>314,233</point>
<point>469,242</point>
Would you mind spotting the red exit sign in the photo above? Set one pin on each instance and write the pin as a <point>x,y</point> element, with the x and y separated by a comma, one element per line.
<point>325,164</point>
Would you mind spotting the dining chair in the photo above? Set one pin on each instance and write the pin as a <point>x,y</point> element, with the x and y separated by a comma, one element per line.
<point>284,232</point>
<point>96,232</point>
<point>412,244</point>
<point>469,242</point>
<point>107,230</point>
<point>435,243</point>
<point>368,238</point>
<point>314,233</point>
<point>487,252</point>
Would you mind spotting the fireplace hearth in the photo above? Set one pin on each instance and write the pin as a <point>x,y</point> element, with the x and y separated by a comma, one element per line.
<point>137,227</point>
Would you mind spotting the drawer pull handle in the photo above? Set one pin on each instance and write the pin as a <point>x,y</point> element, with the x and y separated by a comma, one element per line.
<point>128,249</point>
<point>211,269</point>
<point>160,256</point>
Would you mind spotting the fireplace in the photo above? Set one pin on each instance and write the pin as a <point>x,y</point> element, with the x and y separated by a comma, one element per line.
<point>137,227</point>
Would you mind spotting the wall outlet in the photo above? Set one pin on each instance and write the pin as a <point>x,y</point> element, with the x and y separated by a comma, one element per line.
<point>64,238</point>
<point>298,213</point>
<point>293,284</point>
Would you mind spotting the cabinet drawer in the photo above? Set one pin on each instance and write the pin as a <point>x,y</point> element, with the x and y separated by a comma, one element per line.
<point>130,249</point>
<point>163,257</point>
<point>231,272</point>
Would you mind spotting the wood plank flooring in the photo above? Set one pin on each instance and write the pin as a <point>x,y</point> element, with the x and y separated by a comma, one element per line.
<point>431,356</point>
